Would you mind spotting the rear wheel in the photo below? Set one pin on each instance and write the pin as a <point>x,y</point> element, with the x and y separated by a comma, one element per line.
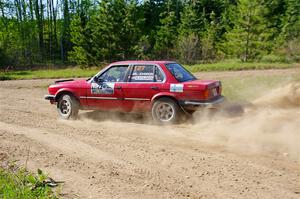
<point>67,107</point>
<point>166,111</point>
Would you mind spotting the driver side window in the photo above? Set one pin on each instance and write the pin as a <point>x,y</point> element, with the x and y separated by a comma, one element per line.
<point>114,74</point>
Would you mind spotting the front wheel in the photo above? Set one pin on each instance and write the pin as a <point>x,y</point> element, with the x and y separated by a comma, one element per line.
<point>166,111</point>
<point>67,107</point>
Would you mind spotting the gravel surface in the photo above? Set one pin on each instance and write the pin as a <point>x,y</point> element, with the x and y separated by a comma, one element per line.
<point>106,156</point>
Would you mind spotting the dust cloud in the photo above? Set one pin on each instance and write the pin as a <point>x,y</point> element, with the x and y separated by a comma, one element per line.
<point>269,125</point>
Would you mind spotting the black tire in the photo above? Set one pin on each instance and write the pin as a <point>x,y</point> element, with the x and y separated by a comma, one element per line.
<point>166,111</point>
<point>67,107</point>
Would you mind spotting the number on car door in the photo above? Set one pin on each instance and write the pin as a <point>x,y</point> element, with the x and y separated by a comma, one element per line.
<point>106,92</point>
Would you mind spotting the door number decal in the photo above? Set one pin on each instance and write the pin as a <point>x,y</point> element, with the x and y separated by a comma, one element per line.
<point>103,88</point>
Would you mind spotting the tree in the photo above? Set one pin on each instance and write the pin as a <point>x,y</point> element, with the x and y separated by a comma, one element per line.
<point>291,28</point>
<point>188,46</point>
<point>81,35</point>
<point>249,37</point>
<point>166,35</point>
<point>289,37</point>
<point>89,32</point>
<point>65,40</point>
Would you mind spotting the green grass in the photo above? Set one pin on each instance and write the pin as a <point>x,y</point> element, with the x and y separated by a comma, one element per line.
<point>245,89</point>
<point>47,74</point>
<point>229,65</point>
<point>232,65</point>
<point>21,184</point>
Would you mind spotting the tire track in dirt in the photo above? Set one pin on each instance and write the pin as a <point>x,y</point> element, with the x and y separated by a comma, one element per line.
<point>135,160</point>
<point>185,145</point>
<point>68,145</point>
<point>34,155</point>
<point>145,173</point>
<point>77,149</point>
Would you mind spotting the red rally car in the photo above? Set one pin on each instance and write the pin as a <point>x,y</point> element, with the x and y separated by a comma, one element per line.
<point>164,88</point>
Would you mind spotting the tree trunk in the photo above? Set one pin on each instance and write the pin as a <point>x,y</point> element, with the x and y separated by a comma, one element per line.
<point>65,35</point>
<point>39,18</point>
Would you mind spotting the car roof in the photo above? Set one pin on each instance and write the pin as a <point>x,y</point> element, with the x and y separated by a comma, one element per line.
<point>142,62</point>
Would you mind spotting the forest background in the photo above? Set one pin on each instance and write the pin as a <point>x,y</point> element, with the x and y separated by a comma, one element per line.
<point>41,33</point>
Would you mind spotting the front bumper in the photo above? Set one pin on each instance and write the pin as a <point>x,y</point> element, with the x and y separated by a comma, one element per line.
<point>192,104</point>
<point>51,98</point>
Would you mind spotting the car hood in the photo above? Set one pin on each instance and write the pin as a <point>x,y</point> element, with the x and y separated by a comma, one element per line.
<point>70,83</point>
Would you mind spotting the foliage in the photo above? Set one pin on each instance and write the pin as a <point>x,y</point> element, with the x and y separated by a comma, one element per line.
<point>188,48</point>
<point>248,38</point>
<point>20,184</point>
<point>166,36</point>
<point>89,32</point>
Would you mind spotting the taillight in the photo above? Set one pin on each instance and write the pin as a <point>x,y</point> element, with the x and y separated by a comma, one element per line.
<point>210,93</point>
<point>206,94</point>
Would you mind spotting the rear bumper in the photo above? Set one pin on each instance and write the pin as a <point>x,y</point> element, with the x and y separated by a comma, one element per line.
<point>192,104</point>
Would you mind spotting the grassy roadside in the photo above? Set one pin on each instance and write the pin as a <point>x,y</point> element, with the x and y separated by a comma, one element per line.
<point>236,66</point>
<point>240,89</point>
<point>77,72</point>
<point>48,74</point>
<point>20,184</point>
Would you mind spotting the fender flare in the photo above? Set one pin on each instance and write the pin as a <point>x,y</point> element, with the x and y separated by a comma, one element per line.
<point>65,91</point>
<point>163,94</point>
<point>168,95</point>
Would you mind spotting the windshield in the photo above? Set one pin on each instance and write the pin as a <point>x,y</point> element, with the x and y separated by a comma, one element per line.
<point>180,73</point>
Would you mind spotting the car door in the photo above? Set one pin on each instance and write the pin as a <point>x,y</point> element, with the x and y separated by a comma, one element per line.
<point>105,90</point>
<point>142,84</point>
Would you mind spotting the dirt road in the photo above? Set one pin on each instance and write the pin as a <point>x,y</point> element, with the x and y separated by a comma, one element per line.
<point>100,156</point>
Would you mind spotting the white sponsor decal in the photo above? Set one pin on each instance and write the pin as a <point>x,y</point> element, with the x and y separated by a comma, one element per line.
<point>142,74</point>
<point>103,88</point>
<point>176,88</point>
<point>142,78</point>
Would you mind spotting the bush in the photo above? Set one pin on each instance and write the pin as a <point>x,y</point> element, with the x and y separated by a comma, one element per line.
<point>289,51</point>
<point>18,184</point>
<point>5,77</point>
<point>79,56</point>
<point>272,58</point>
<point>189,48</point>
<point>293,49</point>
<point>4,59</point>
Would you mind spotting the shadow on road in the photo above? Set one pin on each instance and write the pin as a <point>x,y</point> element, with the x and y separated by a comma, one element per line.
<point>116,116</point>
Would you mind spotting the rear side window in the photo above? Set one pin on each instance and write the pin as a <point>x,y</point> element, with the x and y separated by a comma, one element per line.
<point>146,73</point>
<point>142,73</point>
<point>180,73</point>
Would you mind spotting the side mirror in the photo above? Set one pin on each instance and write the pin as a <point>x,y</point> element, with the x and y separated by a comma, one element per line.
<point>97,79</point>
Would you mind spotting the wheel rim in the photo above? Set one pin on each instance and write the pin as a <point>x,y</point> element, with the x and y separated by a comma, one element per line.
<point>65,107</point>
<point>165,112</point>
